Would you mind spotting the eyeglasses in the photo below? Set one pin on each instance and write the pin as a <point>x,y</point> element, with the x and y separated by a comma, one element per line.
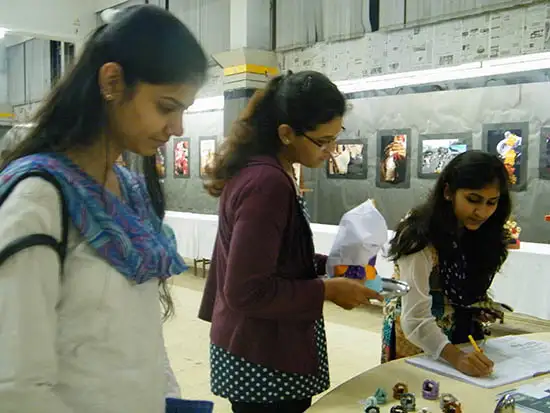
<point>325,145</point>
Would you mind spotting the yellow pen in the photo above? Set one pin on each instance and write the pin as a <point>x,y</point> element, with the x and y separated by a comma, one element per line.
<point>474,344</point>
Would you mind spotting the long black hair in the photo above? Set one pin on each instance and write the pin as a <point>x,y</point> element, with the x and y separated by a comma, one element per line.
<point>434,222</point>
<point>302,100</point>
<point>152,46</point>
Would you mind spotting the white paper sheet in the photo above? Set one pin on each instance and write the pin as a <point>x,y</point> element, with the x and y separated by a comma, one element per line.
<point>516,358</point>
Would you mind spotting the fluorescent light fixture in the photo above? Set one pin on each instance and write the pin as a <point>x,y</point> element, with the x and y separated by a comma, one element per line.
<point>3,32</point>
<point>493,67</point>
<point>204,104</point>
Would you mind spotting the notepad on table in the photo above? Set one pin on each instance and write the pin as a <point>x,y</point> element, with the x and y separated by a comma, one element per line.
<point>516,358</point>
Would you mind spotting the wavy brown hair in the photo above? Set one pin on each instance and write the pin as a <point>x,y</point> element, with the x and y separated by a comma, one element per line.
<point>302,100</point>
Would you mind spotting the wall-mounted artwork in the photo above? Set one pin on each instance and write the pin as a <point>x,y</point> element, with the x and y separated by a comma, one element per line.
<point>207,149</point>
<point>544,166</point>
<point>393,158</point>
<point>437,150</point>
<point>509,142</point>
<point>349,160</point>
<point>161,161</point>
<point>182,154</point>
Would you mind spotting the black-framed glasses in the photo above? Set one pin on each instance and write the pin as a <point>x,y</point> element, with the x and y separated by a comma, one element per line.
<point>325,145</point>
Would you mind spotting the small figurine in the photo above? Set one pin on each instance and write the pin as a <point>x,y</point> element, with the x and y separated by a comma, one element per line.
<point>372,409</point>
<point>408,401</point>
<point>447,399</point>
<point>398,409</point>
<point>424,410</point>
<point>453,407</point>
<point>399,389</point>
<point>371,402</point>
<point>506,404</point>
<point>513,230</point>
<point>381,396</point>
<point>430,390</point>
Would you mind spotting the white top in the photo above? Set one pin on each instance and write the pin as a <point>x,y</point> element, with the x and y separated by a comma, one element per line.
<point>89,342</point>
<point>417,322</point>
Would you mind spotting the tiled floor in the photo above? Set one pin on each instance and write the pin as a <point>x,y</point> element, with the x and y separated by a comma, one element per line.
<point>353,340</point>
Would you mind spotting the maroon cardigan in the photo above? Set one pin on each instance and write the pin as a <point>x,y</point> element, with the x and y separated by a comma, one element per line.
<point>263,294</point>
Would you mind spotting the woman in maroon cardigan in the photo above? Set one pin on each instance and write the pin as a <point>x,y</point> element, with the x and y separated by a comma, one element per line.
<point>263,295</point>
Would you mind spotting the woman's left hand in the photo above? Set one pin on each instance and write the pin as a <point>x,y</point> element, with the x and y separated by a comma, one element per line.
<point>487,317</point>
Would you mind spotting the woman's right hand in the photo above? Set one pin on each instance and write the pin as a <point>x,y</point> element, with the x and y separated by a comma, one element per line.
<point>348,293</point>
<point>474,364</point>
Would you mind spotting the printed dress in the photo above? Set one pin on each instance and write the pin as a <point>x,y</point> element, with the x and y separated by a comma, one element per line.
<point>238,380</point>
<point>450,319</point>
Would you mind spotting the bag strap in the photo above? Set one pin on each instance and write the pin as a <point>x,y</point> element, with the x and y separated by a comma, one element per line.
<point>32,240</point>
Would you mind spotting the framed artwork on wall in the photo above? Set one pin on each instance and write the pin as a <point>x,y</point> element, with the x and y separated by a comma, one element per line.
<point>393,158</point>
<point>544,162</point>
<point>437,150</point>
<point>509,142</point>
<point>161,161</point>
<point>182,152</point>
<point>349,160</point>
<point>207,149</point>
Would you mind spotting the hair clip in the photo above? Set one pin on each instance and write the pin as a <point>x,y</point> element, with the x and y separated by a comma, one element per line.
<point>447,399</point>
<point>430,389</point>
<point>454,407</point>
<point>506,404</point>
<point>372,409</point>
<point>398,409</point>
<point>399,389</point>
<point>381,396</point>
<point>371,402</point>
<point>408,401</point>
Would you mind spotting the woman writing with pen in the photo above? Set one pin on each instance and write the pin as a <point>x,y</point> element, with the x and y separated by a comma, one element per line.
<point>448,250</point>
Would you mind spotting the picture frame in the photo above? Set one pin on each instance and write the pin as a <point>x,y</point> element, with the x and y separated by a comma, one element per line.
<point>393,153</point>
<point>436,150</point>
<point>544,156</point>
<point>510,141</point>
<point>351,161</point>
<point>182,158</point>
<point>207,150</point>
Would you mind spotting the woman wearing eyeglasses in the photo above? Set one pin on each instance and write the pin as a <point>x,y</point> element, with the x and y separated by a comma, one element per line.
<point>263,295</point>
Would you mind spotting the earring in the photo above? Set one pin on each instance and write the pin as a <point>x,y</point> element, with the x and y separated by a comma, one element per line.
<point>108,97</point>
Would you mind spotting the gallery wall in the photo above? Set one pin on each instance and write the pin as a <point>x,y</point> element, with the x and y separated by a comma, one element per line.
<point>443,114</point>
<point>184,191</point>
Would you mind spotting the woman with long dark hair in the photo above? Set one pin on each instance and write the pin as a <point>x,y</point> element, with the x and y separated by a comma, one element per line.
<point>263,295</point>
<point>449,249</point>
<point>83,247</point>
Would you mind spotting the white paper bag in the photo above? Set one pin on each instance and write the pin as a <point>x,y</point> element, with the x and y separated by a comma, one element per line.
<point>361,234</point>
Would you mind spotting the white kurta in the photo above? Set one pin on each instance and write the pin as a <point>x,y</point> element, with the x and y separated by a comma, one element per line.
<point>417,322</point>
<point>88,342</point>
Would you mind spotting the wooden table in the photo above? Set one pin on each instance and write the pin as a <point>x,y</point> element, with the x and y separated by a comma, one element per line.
<point>346,397</point>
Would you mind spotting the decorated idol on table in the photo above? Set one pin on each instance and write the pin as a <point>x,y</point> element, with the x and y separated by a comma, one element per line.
<point>362,232</point>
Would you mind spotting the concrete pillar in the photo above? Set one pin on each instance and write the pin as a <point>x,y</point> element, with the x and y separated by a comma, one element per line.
<point>250,63</point>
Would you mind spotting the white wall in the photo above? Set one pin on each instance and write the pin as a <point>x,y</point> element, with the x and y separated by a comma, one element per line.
<point>68,20</point>
<point>3,76</point>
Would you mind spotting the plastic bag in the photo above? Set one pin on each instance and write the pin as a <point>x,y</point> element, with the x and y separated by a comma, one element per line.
<point>362,232</point>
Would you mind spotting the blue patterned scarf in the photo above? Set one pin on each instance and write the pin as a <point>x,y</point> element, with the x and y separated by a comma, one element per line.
<point>126,233</point>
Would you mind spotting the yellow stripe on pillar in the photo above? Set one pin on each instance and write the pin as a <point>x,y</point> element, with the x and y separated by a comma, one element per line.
<point>7,115</point>
<point>255,69</point>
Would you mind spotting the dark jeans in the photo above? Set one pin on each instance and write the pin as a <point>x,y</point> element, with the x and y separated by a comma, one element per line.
<point>291,406</point>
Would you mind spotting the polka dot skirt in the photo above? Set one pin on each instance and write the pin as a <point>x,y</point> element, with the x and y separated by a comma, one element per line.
<point>236,379</point>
